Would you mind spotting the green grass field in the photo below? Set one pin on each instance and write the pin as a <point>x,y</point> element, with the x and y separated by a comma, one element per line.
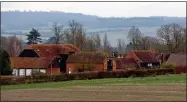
<point>162,79</point>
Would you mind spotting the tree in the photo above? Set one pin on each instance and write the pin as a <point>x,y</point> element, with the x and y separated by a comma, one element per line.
<point>75,34</point>
<point>106,45</point>
<point>14,46</point>
<point>120,46</point>
<point>33,37</point>
<point>97,42</point>
<point>57,30</point>
<point>80,37</point>
<point>73,28</point>
<point>4,43</point>
<point>172,35</point>
<point>90,44</point>
<point>5,63</point>
<point>134,36</point>
<point>183,41</point>
<point>145,43</point>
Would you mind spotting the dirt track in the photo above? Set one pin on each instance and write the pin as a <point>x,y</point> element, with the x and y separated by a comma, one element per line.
<point>174,92</point>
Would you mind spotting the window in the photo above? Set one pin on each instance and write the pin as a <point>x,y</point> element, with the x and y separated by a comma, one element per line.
<point>42,70</point>
<point>28,72</point>
<point>149,64</point>
<point>35,70</point>
<point>15,72</point>
<point>21,72</point>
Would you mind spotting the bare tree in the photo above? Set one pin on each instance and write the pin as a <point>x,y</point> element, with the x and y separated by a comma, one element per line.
<point>57,30</point>
<point>172,34</point>
<point>80,37</point>
<point>106,45</point>
<point>14,46</point>
<point>4,43</point>
<point>182,47</point>
<point>134,36</point>
<point>90,44</point>
<point>145,43</point>
<point>73,28</point>
<point>121,45</point>
<point>75,34</point>
<point>97,41</point>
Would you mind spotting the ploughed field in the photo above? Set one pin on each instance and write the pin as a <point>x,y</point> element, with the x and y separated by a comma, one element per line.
<point>159,88</point>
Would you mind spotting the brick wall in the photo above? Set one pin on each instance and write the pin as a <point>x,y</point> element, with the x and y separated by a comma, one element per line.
<point>54,70</point>
<point>97,67</point>
<point>181,69</point>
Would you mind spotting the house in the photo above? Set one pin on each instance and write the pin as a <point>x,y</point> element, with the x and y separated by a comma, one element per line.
<point>144,58</point>
<point>125,64</point>
<point>46,58</point>
<point>179,60</point>
<point>89,61</point>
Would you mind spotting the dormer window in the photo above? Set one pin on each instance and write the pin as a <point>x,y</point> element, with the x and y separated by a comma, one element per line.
<point>149,65</point>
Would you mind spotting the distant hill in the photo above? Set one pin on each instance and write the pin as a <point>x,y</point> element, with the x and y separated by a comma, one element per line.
<point>15,20</point>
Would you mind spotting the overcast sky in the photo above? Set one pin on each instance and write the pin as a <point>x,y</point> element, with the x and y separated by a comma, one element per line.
<point>104,9</point>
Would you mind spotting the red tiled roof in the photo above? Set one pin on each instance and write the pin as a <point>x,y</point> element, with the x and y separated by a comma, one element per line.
<point>86,57</point>
<point>45,50</point>
<point>146,56</point>
<point>29,62</point>
<point>178,59</point>
<point>125,63</point>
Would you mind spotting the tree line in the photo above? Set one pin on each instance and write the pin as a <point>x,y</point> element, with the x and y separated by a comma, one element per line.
<point>170,38</point>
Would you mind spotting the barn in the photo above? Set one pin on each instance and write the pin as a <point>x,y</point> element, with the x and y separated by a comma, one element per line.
<point>144,58</point>
<point>179,60</point>
<point>125,64</point>
<point>90,61</point>
<point>46,58</point>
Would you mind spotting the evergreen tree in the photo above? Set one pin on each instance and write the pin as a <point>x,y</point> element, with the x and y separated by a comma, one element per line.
<point>34,37</point>
<point>5,63</point>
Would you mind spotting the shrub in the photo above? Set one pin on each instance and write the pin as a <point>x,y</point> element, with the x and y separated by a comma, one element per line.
<point>41,77</point>
<point>6,81</point>
<point>85,67</point>
<point>168,65</point>
<point>89,67</point>
<point>60,77</point>
<point>9,80</point>
<point>38,77</point>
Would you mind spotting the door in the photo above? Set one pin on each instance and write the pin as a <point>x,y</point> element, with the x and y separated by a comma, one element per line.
<point>63,62</point>
<point>109,65</point>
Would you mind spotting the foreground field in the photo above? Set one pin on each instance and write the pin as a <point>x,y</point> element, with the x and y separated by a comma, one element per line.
<point>160,88</point>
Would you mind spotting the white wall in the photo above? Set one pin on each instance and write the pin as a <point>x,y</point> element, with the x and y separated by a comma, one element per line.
<point>43,70</point>
<point>21,72</point>
<point>28,72</point>
<point>15,72</point>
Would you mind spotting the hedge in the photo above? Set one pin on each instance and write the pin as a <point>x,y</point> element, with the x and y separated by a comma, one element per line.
<point>39,77</point>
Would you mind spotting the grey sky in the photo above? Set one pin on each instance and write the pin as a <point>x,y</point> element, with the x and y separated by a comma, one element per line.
<point>104,9</point>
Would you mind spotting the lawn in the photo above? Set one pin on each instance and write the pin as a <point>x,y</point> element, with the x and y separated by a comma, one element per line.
<point>162,79</point>
<point>159,88</point>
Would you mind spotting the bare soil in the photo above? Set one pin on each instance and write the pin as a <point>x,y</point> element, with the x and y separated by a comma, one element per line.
<point>166,92</point>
